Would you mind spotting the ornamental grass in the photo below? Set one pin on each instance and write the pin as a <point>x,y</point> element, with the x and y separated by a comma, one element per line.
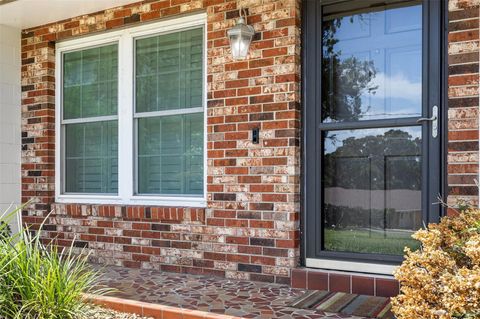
<point>40,281</point>
<point>441,280</point>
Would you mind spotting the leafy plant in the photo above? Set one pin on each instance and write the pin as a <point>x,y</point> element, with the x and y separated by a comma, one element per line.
<point>40,281</point>
<point>442,279</point>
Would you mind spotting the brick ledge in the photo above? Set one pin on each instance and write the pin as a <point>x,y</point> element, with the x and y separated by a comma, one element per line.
<point>152,310</point>
<point>166,214</point>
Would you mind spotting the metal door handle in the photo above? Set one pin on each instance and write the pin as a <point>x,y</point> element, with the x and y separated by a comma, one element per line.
<point>426,119</point>
<point>433,119</point>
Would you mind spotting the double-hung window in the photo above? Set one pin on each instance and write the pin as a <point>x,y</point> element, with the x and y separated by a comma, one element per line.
<point>131,116</point>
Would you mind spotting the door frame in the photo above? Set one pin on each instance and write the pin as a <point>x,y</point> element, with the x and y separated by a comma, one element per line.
<point>435,24</point>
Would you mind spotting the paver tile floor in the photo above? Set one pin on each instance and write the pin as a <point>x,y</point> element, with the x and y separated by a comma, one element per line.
<point>245,299</point>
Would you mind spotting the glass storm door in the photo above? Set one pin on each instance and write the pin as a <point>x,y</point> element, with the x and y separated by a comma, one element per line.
<point>372,127</point>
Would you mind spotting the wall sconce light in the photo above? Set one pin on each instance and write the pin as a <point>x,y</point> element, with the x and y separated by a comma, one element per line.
<point>240,37</point>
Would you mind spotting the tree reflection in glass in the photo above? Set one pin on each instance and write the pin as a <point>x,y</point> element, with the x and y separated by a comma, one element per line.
<point>371,65</point>
<point>372,189</point>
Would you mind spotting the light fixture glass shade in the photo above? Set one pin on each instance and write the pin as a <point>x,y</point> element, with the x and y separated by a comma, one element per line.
<point>240,37</point>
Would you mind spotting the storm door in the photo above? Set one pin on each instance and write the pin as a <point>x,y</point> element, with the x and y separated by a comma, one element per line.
<point>372,118</point>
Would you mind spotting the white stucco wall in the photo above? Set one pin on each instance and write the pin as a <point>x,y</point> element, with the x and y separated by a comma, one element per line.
<point>10,122</point>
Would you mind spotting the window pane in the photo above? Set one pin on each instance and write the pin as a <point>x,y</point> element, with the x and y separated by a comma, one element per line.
<point>170,155</point>
<point>372,189</point>
<point>372,64</point>
<point>90,84</point>
<point>168,71</point>
<point>91,157</point>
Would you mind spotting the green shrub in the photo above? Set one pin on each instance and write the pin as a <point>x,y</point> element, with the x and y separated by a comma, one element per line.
<point>40,281</point>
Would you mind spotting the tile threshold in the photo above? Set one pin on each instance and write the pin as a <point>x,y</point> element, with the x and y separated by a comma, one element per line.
<point>152,310</point>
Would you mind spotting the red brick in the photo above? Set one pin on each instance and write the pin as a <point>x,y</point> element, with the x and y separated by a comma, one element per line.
<point>215,256</point>
<point>286,22</point>
<point>225,128</point>
<point>236,83</point>
<point>261,224</point>
<point>122,13</point>
<point>170,11</point>
<point>261,188</point>
<point>237,240</point>
<point>251,73</point>
<point>236,66</point>
<point>238,258</point>
<point>236,223</point>
<point>160,5</point>
<point>150,15</point>
<point>260,63</point>
<point>114,23</point>
<point>274,52</point>
<point>250,250</point>
<point>463,36</point>
<point>236,118</point>
<point>249,91</point>
<point>236,136</point>
<point>215,222</point>
<point>236,101</point>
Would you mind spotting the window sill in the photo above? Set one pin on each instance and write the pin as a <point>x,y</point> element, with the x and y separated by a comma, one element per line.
<point>196,202</point>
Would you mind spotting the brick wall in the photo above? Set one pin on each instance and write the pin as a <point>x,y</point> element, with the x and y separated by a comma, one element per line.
<point>463,100</point>
<point>250,228</point>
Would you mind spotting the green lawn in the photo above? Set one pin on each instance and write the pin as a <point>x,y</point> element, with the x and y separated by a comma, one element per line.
<point>364,241</point>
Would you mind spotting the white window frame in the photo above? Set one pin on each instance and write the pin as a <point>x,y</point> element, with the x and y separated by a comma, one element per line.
<point>126,146</point>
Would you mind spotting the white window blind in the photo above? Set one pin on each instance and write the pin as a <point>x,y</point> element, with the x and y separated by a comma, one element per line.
<point>169,113</point>
<point>90,86</point>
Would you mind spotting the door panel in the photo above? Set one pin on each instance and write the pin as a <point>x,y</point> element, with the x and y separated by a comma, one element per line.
<point>371,165</point>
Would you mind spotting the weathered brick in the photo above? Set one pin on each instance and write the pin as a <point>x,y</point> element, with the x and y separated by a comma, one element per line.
<point>262,242</point>
<point>250,268</point>
<point>463,97</point>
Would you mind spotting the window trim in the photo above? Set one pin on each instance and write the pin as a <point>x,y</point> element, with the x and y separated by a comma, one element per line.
<point>126,114</point>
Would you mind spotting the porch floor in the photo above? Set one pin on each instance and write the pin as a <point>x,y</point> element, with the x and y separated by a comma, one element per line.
<point>217,295</point>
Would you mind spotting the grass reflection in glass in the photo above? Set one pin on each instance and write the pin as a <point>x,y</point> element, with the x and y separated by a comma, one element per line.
<point>369,241</point>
